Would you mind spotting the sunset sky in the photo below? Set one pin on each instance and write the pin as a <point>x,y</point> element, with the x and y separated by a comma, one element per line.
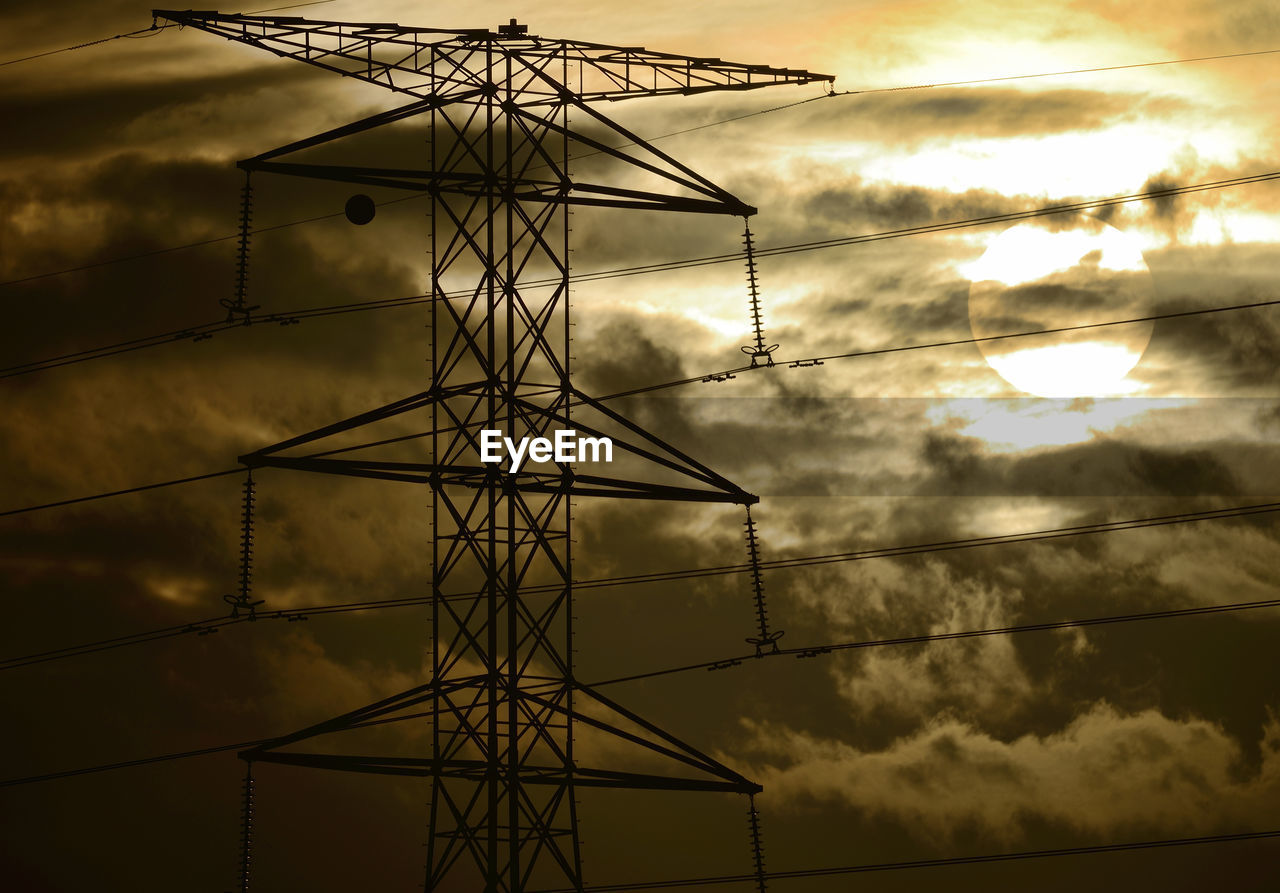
<point>1040,740</point>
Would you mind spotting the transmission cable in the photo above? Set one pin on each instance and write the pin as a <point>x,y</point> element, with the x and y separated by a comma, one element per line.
<point>949,862</point>
<point>813,651</point>
<point>721,375</point>
<point>138,489</point>
<point>80,46</point>
<point>180,755</point>
<point>150,31</point>
<point>624,145</point>
<point>1053,74</point>
<point>211,625</point>
<point>207,330</point>
<point>200,332</point>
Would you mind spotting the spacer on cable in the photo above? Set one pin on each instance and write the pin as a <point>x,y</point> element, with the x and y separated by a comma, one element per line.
<point>242,602</point>
<point>769,640</point>
<point>760,356</point>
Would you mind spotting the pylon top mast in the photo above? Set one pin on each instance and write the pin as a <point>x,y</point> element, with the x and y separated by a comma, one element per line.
<point>398,58</point>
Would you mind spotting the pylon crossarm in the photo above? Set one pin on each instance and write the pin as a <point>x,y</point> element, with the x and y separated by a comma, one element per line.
<point>413,180</point>
<point>631,72</point>
<point>539,191</point>
<point>616,488</point>
<point>678,754</point>
<point>397,407</point>
<point>379,709</point>
<point>346,48</point>
<point>707,474</point>
<point>655,730</point>
<point>640,142</point>
<point>418,61</point>
<point>391,116</point>
<point>635,200</point>
<point>481,477</point>
<point>686,466</point>
<point>687,178</point>
<point>479,770</point>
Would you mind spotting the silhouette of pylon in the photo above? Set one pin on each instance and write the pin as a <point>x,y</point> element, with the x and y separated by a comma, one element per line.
<point>503,699</point>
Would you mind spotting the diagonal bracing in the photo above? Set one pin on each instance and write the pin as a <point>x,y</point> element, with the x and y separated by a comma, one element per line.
<point>507,715</point>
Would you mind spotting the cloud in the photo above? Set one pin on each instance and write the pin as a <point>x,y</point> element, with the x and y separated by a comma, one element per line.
<point>1103,466</point>
<point>939,113</point>
<point>1160,727</point>
<point>1106,774</point>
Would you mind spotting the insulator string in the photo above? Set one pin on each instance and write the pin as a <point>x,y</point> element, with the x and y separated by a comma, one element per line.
<point>238,306</point>
<point>766,639</point>
<point>757,843</point>
<point>759,352</point>
<point>246,829</point>
<point>242,601</point>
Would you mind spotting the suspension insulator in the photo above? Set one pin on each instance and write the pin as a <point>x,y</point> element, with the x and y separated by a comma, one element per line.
<point>757,843</point>
<point>246,830</point>
<point>759,352</point>
<point>237,306</point>
<point>765,639</point>
<point>242,601</point>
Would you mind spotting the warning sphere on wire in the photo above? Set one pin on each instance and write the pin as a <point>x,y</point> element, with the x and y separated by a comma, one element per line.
<point>360,209</point>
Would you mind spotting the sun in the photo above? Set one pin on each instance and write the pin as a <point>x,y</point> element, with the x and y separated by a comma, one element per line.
<point>1055,273</point>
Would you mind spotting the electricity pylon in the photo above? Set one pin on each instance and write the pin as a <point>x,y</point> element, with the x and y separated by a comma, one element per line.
<point>503,701</point>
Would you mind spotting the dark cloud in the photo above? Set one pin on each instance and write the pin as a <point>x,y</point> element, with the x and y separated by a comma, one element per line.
<point>993,112</point>
<point>877,206</point>
<point>960,466</point>
<point>65,122</point>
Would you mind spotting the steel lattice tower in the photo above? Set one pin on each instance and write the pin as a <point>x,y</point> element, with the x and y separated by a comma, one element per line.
<point>503,701</point>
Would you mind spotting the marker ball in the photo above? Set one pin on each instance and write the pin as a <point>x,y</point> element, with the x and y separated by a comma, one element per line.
<point>360,209</point>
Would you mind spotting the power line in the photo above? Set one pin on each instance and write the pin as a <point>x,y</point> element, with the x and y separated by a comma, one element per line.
<point>951,862</point>
<point>105,644</point>
<point>1010,217</point>
<point>208,329</point>
<point>125,764</point>
<point>144,32</point>
<point>1052,74</point>
<point>713,376</point>
<point>945,545</point>
<point>169,757</point>
<point>1129,618</point>
<point>621,146</point>
<point>812,651</point>
<point>1072,207</point>
<point>1154,317</point>
<point>138,489</point>
<point>926,638</point>
<point>626,393</point>
<point>207,626</point>
<point>725,374</point>
<point>80,46</point>
<point>991,80</point>
<point>210,241</point>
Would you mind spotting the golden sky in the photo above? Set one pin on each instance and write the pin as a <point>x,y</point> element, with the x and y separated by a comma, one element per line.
<point>1049,739</point>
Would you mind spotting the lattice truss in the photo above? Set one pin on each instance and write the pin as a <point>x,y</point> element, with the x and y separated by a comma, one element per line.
<point>503,703</point>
